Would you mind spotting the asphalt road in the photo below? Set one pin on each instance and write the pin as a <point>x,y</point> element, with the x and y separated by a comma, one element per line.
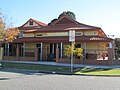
<point>25,80</point>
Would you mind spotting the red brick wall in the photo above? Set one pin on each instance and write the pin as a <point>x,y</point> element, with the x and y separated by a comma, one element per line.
<point>96,62</point>
<point>26,59</point>
<point>9,58</point>
<point>87,62</point>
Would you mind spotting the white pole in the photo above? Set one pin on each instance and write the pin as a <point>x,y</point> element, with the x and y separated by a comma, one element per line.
<point>8,50</point>
<point>72,56</point>
<point>23,49</point>
<point>61,49</point>
<point>53,48</point>
<point>57,45</point>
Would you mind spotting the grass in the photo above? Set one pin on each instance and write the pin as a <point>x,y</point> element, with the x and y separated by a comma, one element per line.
<point>62,69</point>
<point>99,71</point>
<point>41,67</point>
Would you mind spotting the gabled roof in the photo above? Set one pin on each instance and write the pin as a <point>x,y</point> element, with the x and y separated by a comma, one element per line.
<point>38,22</point>
<point>35,21</point>
<point>64,19</point>
<point>39,25</point>
<point>62,24</point>
<point>65,23</point>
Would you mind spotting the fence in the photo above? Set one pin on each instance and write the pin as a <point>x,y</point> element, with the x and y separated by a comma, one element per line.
<point>90,56</point>
<point>95,54</point>
<point>23,54</point>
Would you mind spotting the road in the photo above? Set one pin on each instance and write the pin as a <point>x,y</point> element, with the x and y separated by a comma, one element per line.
<point>23,80</point>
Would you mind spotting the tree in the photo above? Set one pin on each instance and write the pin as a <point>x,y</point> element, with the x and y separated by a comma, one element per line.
<point>77,52</point>
<point>7,33</point>
<point>52,21</point>
<point>117,45</point>
<point>68,13</point>
<point>11,34</point>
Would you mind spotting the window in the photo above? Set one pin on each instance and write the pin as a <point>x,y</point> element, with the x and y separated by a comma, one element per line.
<point>31,23</point>
<point>77,45</point>
<point>94,33</point>
<point>38,35</point>
<point>78,34</point>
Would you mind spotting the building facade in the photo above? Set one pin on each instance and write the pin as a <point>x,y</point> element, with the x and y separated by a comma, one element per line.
<point>38,41</point>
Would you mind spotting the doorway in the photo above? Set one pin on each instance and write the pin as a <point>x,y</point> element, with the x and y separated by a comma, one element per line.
<point>39,52</point>
<point>52,54</point>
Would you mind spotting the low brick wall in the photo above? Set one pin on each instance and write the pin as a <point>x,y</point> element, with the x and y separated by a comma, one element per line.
<point>9,58</point>
<point>96,62</point>
<point>20,58</point>
<point>66,60</point>
<point>26,59</point>
<point>116,62</point>
<point>87,62</point>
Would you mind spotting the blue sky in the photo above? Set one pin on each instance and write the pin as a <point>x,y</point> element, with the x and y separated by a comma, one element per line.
<point>101,13</point>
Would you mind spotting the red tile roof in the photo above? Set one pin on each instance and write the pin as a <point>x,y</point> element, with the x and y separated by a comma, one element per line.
<point>64,19</point>
<point>62,28</point>
<point>62,39</point>
<point>69,27</point>
<point>38,22</point>
<point>62,24</point>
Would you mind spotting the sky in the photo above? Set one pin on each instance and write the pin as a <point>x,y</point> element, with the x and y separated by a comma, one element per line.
<point>101,13</point>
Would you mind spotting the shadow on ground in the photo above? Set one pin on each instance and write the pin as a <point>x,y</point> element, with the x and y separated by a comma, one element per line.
<point>4,79</point>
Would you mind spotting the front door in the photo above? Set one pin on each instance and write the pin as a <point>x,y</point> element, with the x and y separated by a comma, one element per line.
<point>39,51</point>
<point>52,53</point>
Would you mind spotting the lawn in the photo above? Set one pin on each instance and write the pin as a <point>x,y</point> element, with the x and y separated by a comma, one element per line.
<point>99,71</point>
<point>41,67</point>
<point>62,69</point>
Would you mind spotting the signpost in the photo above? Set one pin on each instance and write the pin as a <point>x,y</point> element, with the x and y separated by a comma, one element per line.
<point>72,40</point>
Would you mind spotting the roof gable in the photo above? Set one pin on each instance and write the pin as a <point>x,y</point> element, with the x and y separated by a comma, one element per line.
<point>31,23</point>
<point>64,20</point>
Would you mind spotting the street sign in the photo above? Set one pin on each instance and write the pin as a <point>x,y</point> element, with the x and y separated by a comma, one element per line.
<point>71,35</point>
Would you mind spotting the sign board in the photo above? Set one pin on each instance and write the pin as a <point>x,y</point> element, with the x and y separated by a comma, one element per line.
<point>71,35</point>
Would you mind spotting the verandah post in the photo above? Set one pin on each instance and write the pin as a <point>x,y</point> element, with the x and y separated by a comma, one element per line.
<point>36,54</point>
<point>17,53</point>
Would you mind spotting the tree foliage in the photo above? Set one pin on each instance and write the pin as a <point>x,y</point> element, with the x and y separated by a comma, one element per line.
<point>7,33</point>
<point>117,42</point>
<point>11,34</point>
<point>68,13</point>
<point>76,51</point>
<point>117,45</point>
